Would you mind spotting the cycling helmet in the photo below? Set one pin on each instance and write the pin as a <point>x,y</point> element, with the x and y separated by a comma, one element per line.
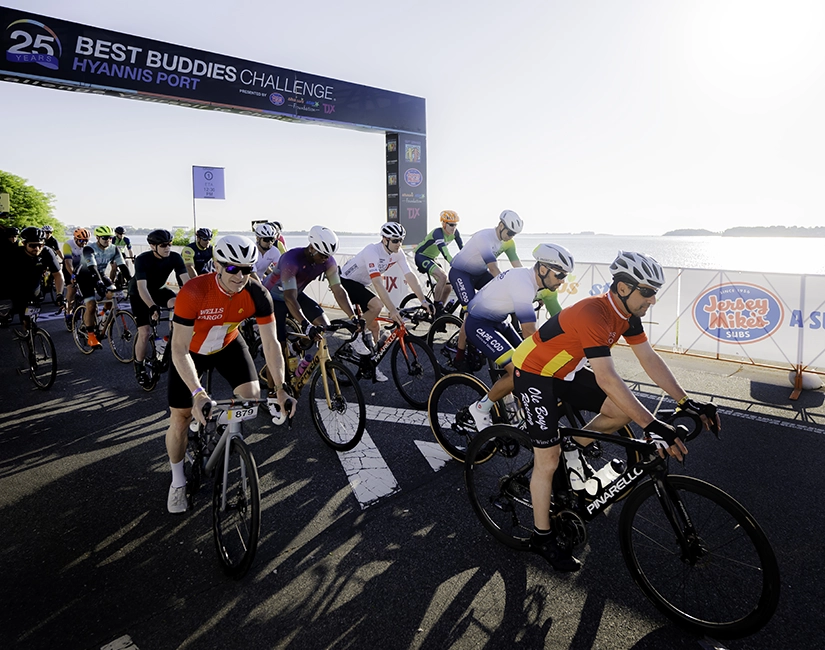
<point>554,255</point>
<point>12,231</point>
<point>159,237</point>
<point>392,229</point>
<point>204,233</point>
<point>449,216</point>
<point>48,229</point>
<point>511,221</point>
<point>32,234</point>
<point>266,230</point>
<point>119,230</point>
<point>636,268</point>
<point>104,231</point>
<point>323,240</point>
<point>82,233</point>
<point>236,249</point>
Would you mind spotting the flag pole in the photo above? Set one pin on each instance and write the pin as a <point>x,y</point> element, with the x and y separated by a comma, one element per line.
<point>194,212</point>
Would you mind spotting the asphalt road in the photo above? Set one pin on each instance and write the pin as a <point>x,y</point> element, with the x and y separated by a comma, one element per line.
<point>377,549</point>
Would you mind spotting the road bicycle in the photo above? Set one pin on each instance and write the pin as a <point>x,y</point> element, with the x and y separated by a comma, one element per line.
<point>36,346</point>
<point>694,550</point>
<point>218,451</point>
<point>68,309</point>
<point>422,325</point>
<point>413,365</point>
<point>116,324</point>
<point>158,357</point>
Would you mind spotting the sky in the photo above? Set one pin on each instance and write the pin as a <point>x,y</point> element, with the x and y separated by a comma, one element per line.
<point>632,117</point>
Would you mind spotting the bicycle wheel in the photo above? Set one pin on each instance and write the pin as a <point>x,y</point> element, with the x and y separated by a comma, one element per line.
<point>449,414</point>
<point>43,360</point>
<point>236,524</point>
<point>497,474</point>
<point>122,333</point>
<point>79,331</point>
<point>725,583</point>
<point>340,422</point>
<point>421,327</point>
<point>414,370</point>
<point>443,339</point>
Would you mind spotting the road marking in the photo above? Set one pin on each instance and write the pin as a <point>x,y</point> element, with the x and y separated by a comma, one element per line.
<point>368,473</point>
<point>123,643</point>
<point>434,453</point>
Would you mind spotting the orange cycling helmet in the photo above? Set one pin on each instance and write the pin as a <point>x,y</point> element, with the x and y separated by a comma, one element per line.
<point>449,216</point>
<point>82,233</point>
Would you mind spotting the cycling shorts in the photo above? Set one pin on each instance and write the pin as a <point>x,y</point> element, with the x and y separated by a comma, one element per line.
<point>494,339</point>
<point>139,309</point>
<point>87,283</point>
<point>466,285</point>
<point>540,395</point>
<point>309,307</point>
<point>358,293</point>
<point>233,363</point>
<point>425,264</point>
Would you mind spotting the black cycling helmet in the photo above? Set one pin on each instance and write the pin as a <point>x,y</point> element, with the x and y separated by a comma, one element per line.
<point>119,230</point>
<point>159,237</point>
<point>32,234</point>
<point>204,233</point>
<point>12,231</point>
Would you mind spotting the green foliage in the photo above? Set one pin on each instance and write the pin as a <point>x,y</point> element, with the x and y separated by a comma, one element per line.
<point>28,205</point>
<point>183,237</point>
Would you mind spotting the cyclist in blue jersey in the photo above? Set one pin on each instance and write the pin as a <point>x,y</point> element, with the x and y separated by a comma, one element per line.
<point>434,244</point>
<point>197,255</point>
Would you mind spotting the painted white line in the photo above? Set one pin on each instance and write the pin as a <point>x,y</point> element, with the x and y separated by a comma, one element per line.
<point>434,453</point>
<point>399,415</point>
<point>122,643</point>
<point>369,475</point>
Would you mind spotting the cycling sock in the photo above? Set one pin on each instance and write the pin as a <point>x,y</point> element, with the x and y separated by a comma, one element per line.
<point>178,477</point>
<point>540,532</point>
<point>484,404</point>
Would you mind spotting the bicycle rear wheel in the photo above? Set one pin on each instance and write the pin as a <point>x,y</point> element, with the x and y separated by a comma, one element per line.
<point>341,422</point>
<point>725,583</point>
<point>497,474</point>
<point>421,327</point>
<point>237,523</point>
<point>79,331</point>
<point>414,370</point>
<point>443,339</point>
<point>43,360</point>
<point>449,414</point>
<point>122,333</point>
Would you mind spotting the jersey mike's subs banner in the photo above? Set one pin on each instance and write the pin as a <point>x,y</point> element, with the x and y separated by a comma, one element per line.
<point>43,51</point>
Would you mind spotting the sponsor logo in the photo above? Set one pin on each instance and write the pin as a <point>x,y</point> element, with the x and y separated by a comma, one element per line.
<point>738,312</point>
<point>33,42</point>
<point>392,179</point>
<point>617,486</point>
<point>413,177</point>
<point>277,99</point>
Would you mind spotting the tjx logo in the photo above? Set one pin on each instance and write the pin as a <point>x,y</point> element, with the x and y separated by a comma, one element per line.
<point>329,108</point>
<point>412,213</point>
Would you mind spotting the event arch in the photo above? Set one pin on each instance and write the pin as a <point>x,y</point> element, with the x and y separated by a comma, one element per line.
<point>52,53</point>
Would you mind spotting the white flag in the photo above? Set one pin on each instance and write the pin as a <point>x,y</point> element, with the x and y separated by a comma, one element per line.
<point>207,182</point>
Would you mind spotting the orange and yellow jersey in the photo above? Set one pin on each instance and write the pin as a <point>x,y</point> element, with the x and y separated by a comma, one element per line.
<point>202,304</point>
<point>586,330</point>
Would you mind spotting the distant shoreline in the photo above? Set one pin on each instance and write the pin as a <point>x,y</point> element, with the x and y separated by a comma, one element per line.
<point>751,231</point>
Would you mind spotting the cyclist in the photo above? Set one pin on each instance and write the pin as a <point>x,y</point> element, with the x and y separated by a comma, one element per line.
<point>148,291</point>
<point>427,251</point>
<point>366,269</point>
<point>551,365</point>
<point>281,242</point>
<point>9,240</point>
<point>512,292</point>
<point>198,254</point>
<point>26,266</point>
<point>51,242</point>
<point>123,242</point>
<point>268,254</point>
<point>208,311</point>
<point>72,252</point>
<point>95,259</point>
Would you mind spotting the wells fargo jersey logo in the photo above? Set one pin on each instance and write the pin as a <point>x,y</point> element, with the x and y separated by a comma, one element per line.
<point>738,312</point>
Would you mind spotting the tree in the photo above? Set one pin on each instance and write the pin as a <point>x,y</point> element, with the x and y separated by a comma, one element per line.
<point>28,205</point>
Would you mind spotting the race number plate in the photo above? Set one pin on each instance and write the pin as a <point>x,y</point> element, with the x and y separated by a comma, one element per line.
<point>32,310</point>
<point>239,414</point>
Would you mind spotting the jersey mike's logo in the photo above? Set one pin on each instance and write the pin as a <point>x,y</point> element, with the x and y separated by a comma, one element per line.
<point>738,312</point>
<point>413,177</point>
<point>29,41</point>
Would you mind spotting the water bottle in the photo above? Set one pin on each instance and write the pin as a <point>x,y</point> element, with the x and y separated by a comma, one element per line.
<point>604,477</point>
<point>302,365</point>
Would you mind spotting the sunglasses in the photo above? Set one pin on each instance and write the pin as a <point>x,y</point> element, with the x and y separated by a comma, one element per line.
<point>34,245</point>
<point>268,240</point>
<point>646,292</point>
<point>166,245</point>
<point>560,275</point>
<point>396,240</point>
<point>107,237</point>
<point>234,270</point>
<point>81,241</point>
<point>510,233</point>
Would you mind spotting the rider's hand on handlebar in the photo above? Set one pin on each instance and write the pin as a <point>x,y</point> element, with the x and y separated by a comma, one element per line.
<point>705,410</point>
<point>430,307</point>
<point>666,439</point>
<point>201,406</point>
<point>396,317</point>
<point>154,313</point>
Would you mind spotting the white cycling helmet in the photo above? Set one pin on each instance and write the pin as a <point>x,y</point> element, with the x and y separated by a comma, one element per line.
<point>266,230</point>
<point>636,268</point>
<point>392,229</point>
<point>323,240</point>
<point>554,255</point>
<point>236,249</point>
<point>511,221</point>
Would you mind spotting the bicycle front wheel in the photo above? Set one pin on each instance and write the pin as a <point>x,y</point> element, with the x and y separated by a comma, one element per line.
<point>449,413</point>
<point>236,510</point>
<point>414,370</point>
<point>418,328</point>
<point>443,340</point>
<point>497,474</point>
<point>43,360</point>
<point>122,333</point>
<point>79,331</point>
<point>724,582</point>
<point>341,420</point>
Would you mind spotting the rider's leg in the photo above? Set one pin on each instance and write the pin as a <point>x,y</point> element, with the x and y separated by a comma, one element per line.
<point>373,310</point>
<point>142,343</point>
<point>441,289</point>
<point>541,483</point>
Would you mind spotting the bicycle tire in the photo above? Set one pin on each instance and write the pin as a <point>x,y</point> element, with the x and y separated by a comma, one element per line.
<point>734,600</point>
<point>68,322</point>
<point>449,415</point>
<point>414,372</point>
<point>43,361</point>
<point>420,328</point>
<point>497,475</point>
<point>236,528</point>
<point>122,334</point>
<point>150,367</point>
<point>443,338</point>
<point>342,424</point>
<point>78,331</point>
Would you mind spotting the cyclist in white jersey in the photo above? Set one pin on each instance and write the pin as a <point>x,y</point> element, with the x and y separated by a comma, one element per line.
<point>266,234</point>
<point>513,291</point>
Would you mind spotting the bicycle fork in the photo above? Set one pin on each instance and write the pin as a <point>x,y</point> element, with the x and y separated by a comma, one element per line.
<point>677,514</point>
<point>233,430</point>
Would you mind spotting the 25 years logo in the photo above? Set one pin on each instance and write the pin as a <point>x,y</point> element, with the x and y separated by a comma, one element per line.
<point>33,42</point>
<point>738,312</point>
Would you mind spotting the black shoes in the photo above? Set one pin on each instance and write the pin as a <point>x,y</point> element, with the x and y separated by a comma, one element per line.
<point>548,548</point>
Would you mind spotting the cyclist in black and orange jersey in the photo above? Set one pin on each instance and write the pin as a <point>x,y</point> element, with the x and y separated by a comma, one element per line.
<point>198,254</point>
<point>551,365</point>
<point>208,311</point>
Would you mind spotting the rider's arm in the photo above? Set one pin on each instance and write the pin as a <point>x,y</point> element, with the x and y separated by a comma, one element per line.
<point>181,357</point>
<point>551,301</point>
<point>143,291</point>
<point>512,255</point>
<point>338,290</point>
<point>291,300</point>
<point>618,392</point>
<point>657,370</point>
<point>381,292</point>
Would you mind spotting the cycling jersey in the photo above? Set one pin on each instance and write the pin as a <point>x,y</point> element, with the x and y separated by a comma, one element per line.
<point>482,249</point>
<point>271,256</point>
<point>52,243</point>
<point>436,242</point>
<point>586,330</point>
<point>94,255</point>
<point>155,270</point>
<point>122,242</point>
<point>372,262</point>
<point>295,271</point>
<point>511,292</point>
<point>71,249</point>
<point>196,256</point>
<point>215,316</point>
<point>21,279</point>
